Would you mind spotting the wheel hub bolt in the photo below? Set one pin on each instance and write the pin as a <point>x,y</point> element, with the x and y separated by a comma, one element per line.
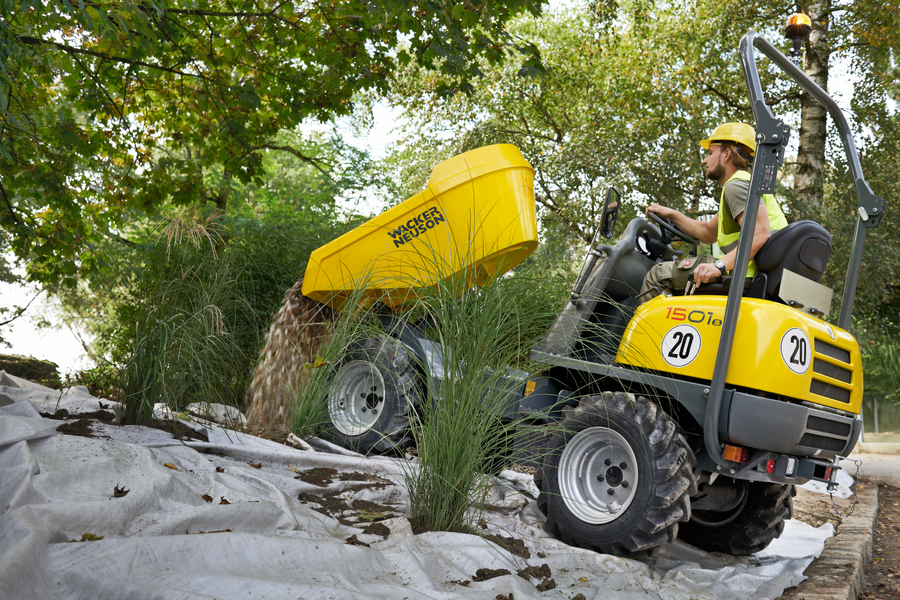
<point>610,491</point>
<point>624,484</point>
<point>374,412</point>
<point>599,477</point>
<point>607,462</point>
<point>623,466</point>
<point>363,409</point>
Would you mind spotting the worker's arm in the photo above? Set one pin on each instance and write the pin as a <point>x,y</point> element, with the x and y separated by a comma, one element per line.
<point>761,233</point>
<point>705,231</point>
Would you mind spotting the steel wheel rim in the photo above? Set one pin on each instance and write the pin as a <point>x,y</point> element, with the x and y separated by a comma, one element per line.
<point>592,481</point>
<point>356,398</point>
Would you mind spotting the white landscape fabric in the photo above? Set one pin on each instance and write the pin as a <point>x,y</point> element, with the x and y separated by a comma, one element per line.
<point>232,518</point>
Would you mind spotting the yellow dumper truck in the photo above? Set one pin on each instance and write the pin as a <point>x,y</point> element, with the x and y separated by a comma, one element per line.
<point>664,427</point>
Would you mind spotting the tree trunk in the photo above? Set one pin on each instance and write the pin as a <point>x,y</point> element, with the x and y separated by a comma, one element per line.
<point>811,154</point>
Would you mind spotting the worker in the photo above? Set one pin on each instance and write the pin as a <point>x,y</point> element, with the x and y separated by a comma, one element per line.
<point>729,154</point>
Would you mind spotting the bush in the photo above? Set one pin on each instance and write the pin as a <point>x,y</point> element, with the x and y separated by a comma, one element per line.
<point>464,431</point>
<point>190,325</point>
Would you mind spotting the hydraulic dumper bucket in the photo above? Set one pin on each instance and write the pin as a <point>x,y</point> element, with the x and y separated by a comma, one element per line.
<point>476,219</point>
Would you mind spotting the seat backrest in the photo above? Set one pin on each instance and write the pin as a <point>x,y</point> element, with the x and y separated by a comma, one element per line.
<point>803,247</point>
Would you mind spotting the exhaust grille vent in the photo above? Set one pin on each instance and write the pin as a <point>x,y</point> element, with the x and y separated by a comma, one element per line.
<point>823,368</point>
<point>812,440</point>
<point>827,426</point>
<point>821,388</point>
<point>832,351</point>
<point>830,370</point>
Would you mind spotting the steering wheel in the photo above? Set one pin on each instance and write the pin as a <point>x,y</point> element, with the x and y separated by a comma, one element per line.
<point>667,226</point>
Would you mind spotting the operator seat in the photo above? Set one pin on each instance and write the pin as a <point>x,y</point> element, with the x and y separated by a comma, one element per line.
<point>802,247</point>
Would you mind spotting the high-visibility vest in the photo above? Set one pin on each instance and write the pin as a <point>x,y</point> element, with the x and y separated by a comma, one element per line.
<point>728,241</point>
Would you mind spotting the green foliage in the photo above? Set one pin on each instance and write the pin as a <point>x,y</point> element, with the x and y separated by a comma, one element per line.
<point>189,325</point>
<point>106,107</point>
<point>878,293</point>
<point>188,336</point>
<point>260,246</point>
<point>102,381</point>
<point>877,336</point>
<point>464,430</point>
<point>882,368</point>
<point>629,91</point>
<point>625,100</point>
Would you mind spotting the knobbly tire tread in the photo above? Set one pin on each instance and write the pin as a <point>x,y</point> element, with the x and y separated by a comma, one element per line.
<point>667,480</point>
<point>760,522</point>
<point>402,392</point>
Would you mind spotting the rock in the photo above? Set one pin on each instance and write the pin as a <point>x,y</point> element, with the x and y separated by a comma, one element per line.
<point>32,369</point>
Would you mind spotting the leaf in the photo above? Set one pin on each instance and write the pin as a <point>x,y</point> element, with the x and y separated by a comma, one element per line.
<point>320,362</point>
<point>89,537</point>
<point>255,465</point>
<point>171,466</point>
<point>120,492</point>
<point>371,516</point>
<point>224,501</point>
<point>206,497</point>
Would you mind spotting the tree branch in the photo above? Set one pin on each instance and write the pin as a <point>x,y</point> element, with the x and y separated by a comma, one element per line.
<point>112,102</point>
<point>128,61</point>
<point>550,120</point>
<point>9,206</point>
<point>21,311</point>
<point>548,203</point>
<point>728,99</point>
<point>216,13</point>
<point>296,153</point>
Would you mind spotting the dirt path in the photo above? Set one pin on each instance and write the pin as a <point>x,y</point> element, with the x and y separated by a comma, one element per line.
<point>881,577</point>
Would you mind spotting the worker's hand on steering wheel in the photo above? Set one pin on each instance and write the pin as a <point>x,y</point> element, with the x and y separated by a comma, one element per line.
<point>663,211</point>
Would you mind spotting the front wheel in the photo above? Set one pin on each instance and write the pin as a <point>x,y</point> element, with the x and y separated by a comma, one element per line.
<point>372,395</point>
<point>746,529</point>
<point>616,476</point>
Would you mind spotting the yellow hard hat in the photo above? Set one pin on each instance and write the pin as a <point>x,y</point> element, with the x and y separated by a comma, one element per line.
<point>739,133</point>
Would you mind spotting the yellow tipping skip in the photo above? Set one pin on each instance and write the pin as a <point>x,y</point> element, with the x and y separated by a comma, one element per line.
<point>475,219</point>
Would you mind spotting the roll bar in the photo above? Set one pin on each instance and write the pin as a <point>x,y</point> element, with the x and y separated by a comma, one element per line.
<point>771,140</point>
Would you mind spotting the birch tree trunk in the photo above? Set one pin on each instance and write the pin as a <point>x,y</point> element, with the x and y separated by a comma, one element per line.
<point>813,116</point>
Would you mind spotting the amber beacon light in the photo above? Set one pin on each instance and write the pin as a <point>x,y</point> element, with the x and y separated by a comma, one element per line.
<point>798,29</point>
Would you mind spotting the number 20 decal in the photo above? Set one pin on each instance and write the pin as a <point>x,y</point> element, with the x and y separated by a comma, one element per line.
<point>795,350</point>
<point>681,345</point>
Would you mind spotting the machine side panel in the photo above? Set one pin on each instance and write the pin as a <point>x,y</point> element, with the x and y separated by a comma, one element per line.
<point>777,350</point>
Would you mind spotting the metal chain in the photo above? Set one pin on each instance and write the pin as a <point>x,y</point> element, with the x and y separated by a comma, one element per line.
<point>834,507</point>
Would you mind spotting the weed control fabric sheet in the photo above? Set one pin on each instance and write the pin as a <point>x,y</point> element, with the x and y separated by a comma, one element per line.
<point>131,512</point>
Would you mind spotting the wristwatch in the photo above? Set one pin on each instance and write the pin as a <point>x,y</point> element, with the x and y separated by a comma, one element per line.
<point>720,265</point>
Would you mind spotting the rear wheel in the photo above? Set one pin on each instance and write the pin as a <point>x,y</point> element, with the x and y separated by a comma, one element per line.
<point>616,477</point>
<point>747,528</point>
<point>373,392</point>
